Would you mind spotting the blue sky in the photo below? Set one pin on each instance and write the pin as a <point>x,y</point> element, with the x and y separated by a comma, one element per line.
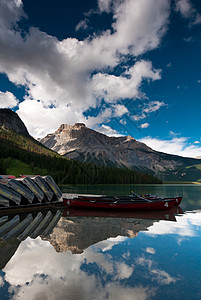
<point>127,67</point>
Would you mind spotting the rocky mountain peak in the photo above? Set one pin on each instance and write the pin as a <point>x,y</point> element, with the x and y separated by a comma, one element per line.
<point>78,125</point>
<point>84,144</point>
<point>129,138</point>
<point>67,128</point>
<point>10,120</point>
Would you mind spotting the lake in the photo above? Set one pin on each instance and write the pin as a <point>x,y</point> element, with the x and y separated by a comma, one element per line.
<point>134,255</point>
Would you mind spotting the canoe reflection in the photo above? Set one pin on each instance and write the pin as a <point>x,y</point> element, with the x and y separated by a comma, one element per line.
<point>14,229</point>
<point>149,215</point>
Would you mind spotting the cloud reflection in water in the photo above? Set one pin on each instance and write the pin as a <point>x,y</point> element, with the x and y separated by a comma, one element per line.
<point>116,268</point>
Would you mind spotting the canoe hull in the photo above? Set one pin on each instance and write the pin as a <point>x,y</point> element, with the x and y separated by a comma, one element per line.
<point>163,204</point>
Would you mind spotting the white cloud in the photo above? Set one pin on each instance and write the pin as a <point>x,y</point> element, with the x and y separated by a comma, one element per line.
<point>1,281</point>
<point>188,39</point>
<point>174,133</point>
<point>177,146</point>
<point>7,100</point>
<point>184,227</point>
<point>110,243</point>
<point>147,109</point>
<point>112,88</point>
<point>108,131</point>
<point>153,106</point>
<point>144,125</point>
<point>120,110</point>
<point>187,10</point>
<point>184,7</point>
<point>150,250</point>
<point>40,119</point>
<point>81,25</point>
<point>11,11</point>
<point>163,277</point>
<point>64,275</point>
<point>58,73</point>
<point>144,25</point>
<point>105,5</point>
<point>158,275</point>
<point>103,116</point>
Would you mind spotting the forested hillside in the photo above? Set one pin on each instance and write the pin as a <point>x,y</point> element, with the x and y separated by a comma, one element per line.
<point>20,154</point>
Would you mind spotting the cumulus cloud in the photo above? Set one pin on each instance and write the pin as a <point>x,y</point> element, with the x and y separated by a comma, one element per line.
<point>144,25</point>
<point>7,100</point>
<point>11,11</point>
<point>112,88</point>
<point>72,73</point>
<point>178,146</point>
<point>39,279</point>
<point>42,119</point>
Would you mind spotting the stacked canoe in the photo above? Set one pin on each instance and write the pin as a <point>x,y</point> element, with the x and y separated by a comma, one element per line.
<point>29,190</point>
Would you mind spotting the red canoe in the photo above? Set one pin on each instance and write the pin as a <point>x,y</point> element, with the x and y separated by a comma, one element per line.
<point>123,203</point>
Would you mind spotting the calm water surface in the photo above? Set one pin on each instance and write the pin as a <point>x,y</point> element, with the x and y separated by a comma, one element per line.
<point>133,256</point>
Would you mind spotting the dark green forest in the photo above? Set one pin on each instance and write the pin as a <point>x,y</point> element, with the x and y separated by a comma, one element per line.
<point>19,153</point>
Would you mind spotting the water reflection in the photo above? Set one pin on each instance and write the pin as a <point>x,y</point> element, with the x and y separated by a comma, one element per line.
<point>150,266</point>
<point>66,276</point>
<point>107,256</point>
<point>82,228</point>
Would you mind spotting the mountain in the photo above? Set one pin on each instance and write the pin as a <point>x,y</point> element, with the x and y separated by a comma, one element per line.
<point>84,144</point>
<point>22,154</point>
<point>10,120</point>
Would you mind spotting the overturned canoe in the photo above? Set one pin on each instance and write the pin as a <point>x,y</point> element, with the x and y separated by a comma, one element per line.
<point>50,181</point>
<point>29,191</point>
<point>44,187</point>
<point>33,187</point>
<point>10,194</point>
<point>21,189</point>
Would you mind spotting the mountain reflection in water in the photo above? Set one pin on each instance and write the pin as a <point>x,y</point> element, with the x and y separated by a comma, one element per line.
<point>108,257</point>
<point>82,228</point>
